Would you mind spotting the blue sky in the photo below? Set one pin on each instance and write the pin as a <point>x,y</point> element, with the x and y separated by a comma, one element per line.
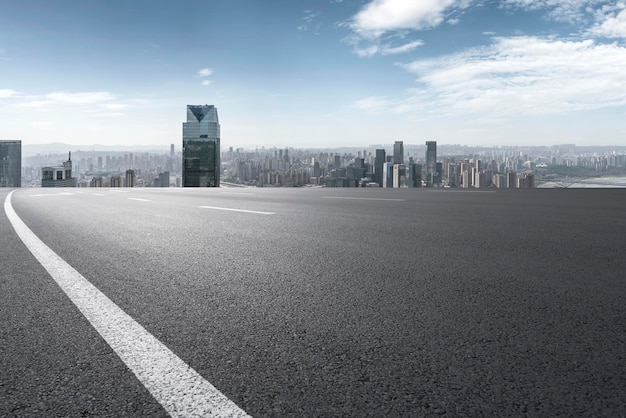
<point>323,73</point>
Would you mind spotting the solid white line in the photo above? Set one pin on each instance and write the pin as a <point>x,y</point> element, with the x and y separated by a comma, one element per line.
<point>238,210</point>
<point>141,200</point>
<point>362,198</point>
<point>98,194</point>
<point>175,385</point>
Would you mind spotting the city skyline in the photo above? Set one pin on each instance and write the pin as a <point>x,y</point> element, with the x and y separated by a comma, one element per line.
<point>524,72</point>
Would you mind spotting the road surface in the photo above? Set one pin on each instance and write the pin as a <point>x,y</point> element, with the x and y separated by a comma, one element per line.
<point>318,302</point>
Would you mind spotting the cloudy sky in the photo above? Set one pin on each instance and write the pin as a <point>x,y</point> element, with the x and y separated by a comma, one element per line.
<point>318,73</point>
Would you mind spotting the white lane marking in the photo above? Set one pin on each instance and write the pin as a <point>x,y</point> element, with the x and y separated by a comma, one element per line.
<point>175,385</point>
<point>52,194</point>
<point>238,210</point>
<point>237,193</point>
<point>118,191</point>
<point>362,198</point>
<point>138,199</point>
<point>462,191</point>
<point>98,194</point>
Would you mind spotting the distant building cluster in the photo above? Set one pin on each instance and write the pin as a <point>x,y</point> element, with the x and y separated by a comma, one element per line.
<point>58,176</point>
<point>372,169</point>
<point>202,163</point>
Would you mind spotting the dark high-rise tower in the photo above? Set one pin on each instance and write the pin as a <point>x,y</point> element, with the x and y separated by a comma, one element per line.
<point>398,152</point>
<point>10,163</point>
<point>201,147</point>
<point>378,166</point>
<point>431,163</point>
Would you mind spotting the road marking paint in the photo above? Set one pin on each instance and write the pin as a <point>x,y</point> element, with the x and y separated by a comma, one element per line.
<point>52,194</point>
<point>461,191</point>
<point>238,210</point>
<point>98,194</point>
<point>138,199</point>
<point>176,386</point>
<point>118,191</point>
<point>237,193</point>
<point>362,198</point>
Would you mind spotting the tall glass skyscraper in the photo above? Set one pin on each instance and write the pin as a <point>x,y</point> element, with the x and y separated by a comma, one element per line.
<point>201,147</point>
<point>10,163</point>
<point>398,152</point>
<point>431,163</point>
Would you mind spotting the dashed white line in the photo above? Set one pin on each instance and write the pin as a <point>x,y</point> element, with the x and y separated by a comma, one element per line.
<point>176,386</point>
<point>52,194</point>
<point>98,194</point>
<point>238,210</point>
<point>138,199</point>
<point>118,191</point>
<point>362,198</point>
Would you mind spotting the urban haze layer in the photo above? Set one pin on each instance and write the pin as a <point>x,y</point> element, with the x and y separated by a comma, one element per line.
<point>202,163</point>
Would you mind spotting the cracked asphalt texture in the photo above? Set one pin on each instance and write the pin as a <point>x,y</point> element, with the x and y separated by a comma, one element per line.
<point>444,302</point>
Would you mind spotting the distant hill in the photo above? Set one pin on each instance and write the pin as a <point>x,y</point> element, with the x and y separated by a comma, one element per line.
<point>61,148</point>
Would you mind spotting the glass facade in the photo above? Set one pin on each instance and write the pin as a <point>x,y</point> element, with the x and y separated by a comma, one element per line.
<point>431,163</point>
<point>10,163</point>
<point>201,147</point>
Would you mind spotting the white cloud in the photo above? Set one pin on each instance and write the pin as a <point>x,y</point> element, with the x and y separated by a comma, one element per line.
<point>559,10</point>
<point>372,104</point>
<point>108,115</point>
<point>610,21</point>
<point>381,16</point>
<point>8,93</point>
<point>206,82</point>
<point>381,20</point>
<point>453,22</point>
<point>80,98</point>
<point>309,21</point>
<point>409,46</point>
<point>114,106</point>
<point>205,72</point>
<point>37,104</point>
<point>521,75</point>
<point>367,51</point>
<point>60,99</point>
<point>386,49</point>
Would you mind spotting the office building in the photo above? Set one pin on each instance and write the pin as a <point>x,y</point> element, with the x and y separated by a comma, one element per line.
<point>201,147</point>
<point>10,163</point>
<point>431,163</point>
<point>415,175</point>
<point>387,180</point>
<point>164,179</point>
<point>379,161</point>
<point>58,176</point>
<point>511,180</point>
<point>129,180</point>
<point>398,152</point>
<point>399,176</point>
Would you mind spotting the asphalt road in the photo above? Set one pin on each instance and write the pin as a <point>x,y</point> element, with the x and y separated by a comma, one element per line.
<point>331,302</point>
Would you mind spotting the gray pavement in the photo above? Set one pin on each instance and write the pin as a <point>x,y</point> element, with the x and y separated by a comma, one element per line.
<point>343,302</point>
